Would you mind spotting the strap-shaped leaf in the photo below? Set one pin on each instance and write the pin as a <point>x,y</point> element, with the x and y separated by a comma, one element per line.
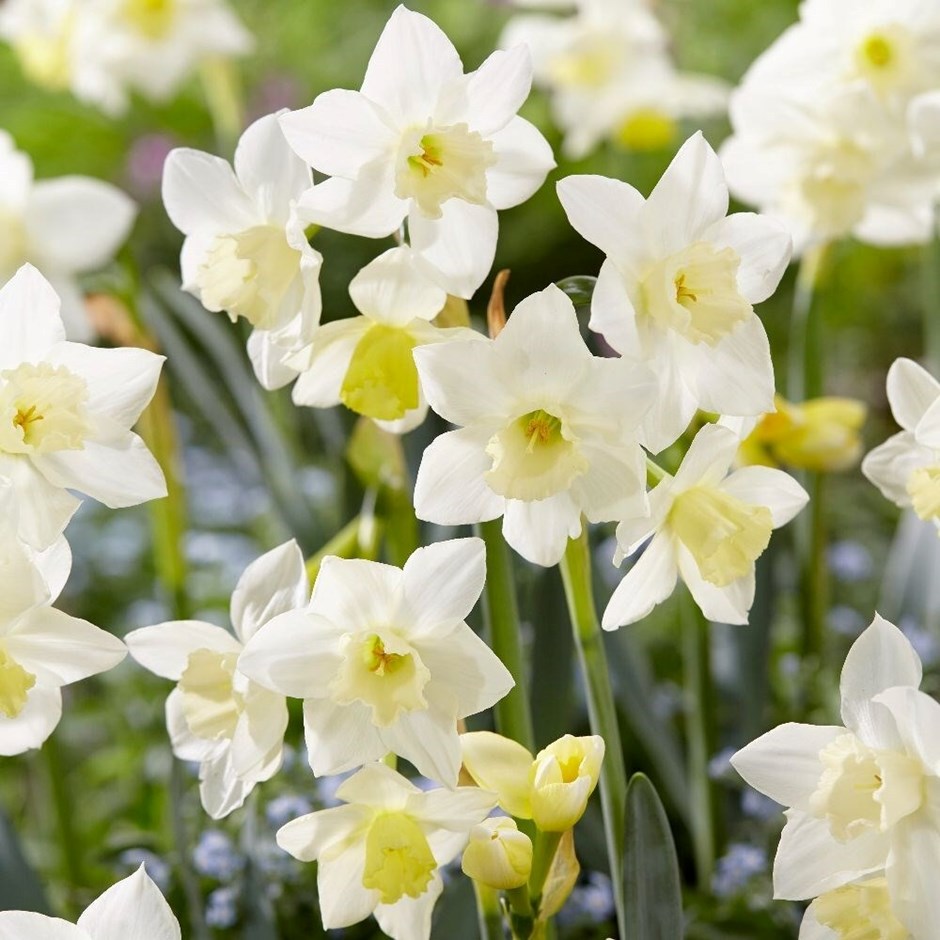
<point>652,887</point>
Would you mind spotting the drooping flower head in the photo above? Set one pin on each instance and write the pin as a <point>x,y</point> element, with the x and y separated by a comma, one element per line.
<point>708,527</point>
<point>423,142</point>
<point>679,285</point>
<point>384,661</point>
<point>547,431</point>
<point>66,412</point>
<point>216,715</point>
<point>380,852</point>
<point>245,250</point>
<point>367,362</point>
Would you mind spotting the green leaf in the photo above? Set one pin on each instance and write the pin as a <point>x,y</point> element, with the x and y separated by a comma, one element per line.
<point>652,887</point>
<point>580,289</point>
<point>20,888</point>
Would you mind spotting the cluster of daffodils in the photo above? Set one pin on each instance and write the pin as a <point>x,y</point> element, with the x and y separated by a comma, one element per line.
<point>610,74</point>
<point>837,124</point>
<point>102,51</point>
<point>65,416</point>
<point>863,821</point>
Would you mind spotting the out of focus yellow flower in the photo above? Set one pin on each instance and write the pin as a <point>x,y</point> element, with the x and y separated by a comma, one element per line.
<point>820,434</point>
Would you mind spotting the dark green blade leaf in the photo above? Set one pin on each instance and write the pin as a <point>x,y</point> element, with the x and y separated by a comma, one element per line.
<point>652,888</point>
<point>20,888</point>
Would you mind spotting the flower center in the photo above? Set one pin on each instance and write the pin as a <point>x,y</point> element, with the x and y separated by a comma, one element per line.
<point>833,186</point>
<point>885,58</point>
<point>440,163</point>
<point>695,292</point>
<point>724,535</point>
<point>382,379</point>
<point>42,409</point>
<point>249,274</point>
<point>923,487</point>
<point>44,53</point>
<point>210,703</point>
<point>152,18</point>
<point>399,861</point>
<point>862,789</point>
<point>15,683</point>
<point>533,458</point>
<point>860,912</point>
<point>647,129</point>
<point>589,63</point>
<point>383,672</point>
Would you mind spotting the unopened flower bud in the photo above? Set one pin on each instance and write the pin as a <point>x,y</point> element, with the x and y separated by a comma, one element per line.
<point>498,855</point>
<point>564,776</point>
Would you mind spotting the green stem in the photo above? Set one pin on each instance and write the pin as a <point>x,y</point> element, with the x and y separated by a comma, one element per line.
<point>488,914</point>
<point>699,714</point>
<point>501,610</point>
<point>181,841</point>
<point>805,368</point>
<point>544,851</point>
<point>931,306</point>
<point>64,805</point>
<point>815,586</point>
<point>579,592</point>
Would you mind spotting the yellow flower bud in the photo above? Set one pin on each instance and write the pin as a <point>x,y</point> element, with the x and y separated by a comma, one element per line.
<point>498,855</point>
<point>821,434</point>
<point>563,776</point>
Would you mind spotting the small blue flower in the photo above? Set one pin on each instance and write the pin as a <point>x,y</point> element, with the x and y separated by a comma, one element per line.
<point>215,856</point>
<point>222,907</point>
<point>850,561</point>
<point>591,901</point>
<point>735,869</point>
<point>282,809</point>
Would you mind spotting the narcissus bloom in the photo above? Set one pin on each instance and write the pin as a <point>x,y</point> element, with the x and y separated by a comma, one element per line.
<point>906,468</point>
<point>821,434</point>
<point>678,287</point>
<point>380,853</point>
<point>216,715</point>
<point>66,226</point>
<point>707,526</point>
<point>41,648</point>
<point>551,789</point>
<point>862,909</point>
<point>422,141</point>
<point>133,909</point>
<point>245,250</point>
<point>66,412</point>
<point>864,798</point>
<point>384,661</point>
<point>547,431</point>
<point>366,362</point>
<point>103,50</point>
<point>610,75</point>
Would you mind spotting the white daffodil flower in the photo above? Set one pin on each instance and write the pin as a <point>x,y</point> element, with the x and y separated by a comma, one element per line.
<point>547,431</point>
<point>609,73</point>
<point>41,648</point>
<point>380,853</point>
<point>384,661</point>
<point>367,362</point>
<point>66,226</point>
<point>708,527</point>
<point>864,797</point>
<point>216,715</point>
<point>133,909</point>
<point>103,50</point>
<point>245,250</point>
<point>678,287</point>
<point>66,412</point>
<point>906,467</point>
<point>422,141</point>
<point>862,910</point>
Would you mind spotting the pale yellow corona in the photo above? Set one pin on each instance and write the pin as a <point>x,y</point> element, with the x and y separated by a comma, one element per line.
<point>382,379</point>
<point>153,19</point>
<point>399,862</point>
<point>210,703</point>
<point>440,163</point>
<point>860,912</point>
<point>923,487</point>
<point>647,129</point>
<point>864,790</point>
<point>42,409</point>
<point>724,535</point>
<point>15,684</point>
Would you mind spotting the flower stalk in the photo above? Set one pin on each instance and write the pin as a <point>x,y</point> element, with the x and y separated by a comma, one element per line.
<point>602,712</point>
